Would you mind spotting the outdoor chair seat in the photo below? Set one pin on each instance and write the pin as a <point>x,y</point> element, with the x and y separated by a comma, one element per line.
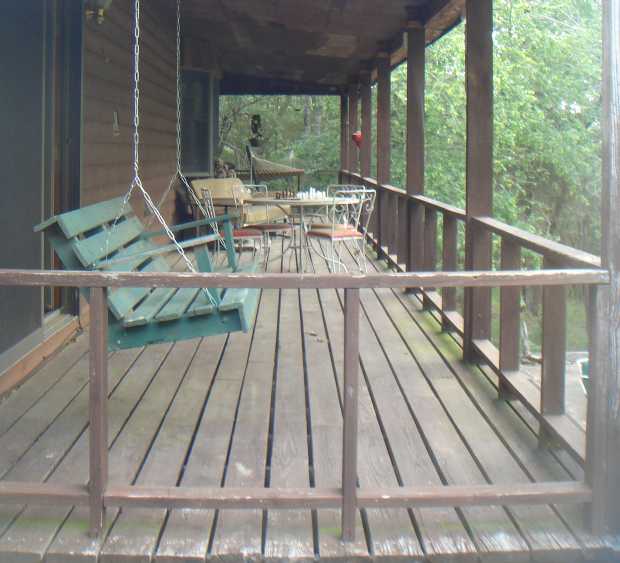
<point>337,234</point>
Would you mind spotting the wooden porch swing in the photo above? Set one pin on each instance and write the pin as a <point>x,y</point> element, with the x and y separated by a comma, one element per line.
<point>108,236</point>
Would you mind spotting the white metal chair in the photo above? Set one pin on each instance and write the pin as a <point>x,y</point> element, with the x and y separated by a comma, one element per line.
<point>348,218</point>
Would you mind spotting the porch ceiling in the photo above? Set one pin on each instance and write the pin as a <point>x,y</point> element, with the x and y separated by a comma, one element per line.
<point>301,46</point>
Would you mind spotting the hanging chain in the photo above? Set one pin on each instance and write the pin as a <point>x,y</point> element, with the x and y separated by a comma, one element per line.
<point>178,173</point>
<point>137,182</point>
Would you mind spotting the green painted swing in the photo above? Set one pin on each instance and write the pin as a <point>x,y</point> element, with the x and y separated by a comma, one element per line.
<point>108,236</point>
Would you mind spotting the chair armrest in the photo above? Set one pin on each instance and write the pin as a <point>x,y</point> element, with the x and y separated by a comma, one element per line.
<point>191,225</point>
<point>166,249</point>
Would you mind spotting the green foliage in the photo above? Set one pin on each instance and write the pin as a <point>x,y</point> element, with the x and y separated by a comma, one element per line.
<point>547,120</point>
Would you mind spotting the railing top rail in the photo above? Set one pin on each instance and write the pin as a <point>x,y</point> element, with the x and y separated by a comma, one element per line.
<point>456,212</point>
<point>567,254</point>
<point>41,278</point>
<point>541,245</point>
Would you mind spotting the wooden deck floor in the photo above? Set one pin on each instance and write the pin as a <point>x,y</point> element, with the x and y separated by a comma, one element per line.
<point>264,409</point>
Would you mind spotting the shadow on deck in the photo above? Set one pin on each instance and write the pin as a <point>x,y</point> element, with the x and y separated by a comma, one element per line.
<point>265,409</point>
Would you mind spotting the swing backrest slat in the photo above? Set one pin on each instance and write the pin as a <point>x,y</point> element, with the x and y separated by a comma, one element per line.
<point>74,223</point>
<point>107,241</point>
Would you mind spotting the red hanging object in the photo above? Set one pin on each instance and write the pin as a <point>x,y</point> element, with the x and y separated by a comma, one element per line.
<point>358,138</point>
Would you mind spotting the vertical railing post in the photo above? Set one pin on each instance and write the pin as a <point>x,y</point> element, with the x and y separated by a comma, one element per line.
<point>392,223</point>
<point>98,397</point>
<point>449,263</point>
<point>416,237</point>
<point>430,245</point>
<point>509,316</point>
<point>380,220</point>
<point>403,230</point>
<point>553,384</point>
<point>351,390</point>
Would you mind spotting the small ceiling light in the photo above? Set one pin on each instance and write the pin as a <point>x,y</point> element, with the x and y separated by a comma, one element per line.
<point>96,9</point>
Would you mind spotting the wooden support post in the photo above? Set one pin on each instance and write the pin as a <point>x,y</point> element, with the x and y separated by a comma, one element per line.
<point>366,148</point>
<point>354,156</point>
<point>351,391</point>
<point>416,69</point>
<point>344,134</point>
<point>603,426</point>
<point>98,392</point>
<point>430,246</point>
<point>510,316</point>
<point>479,196</point>
<point>449,263</point>
<point>553,384</point>
<point>383,119</point>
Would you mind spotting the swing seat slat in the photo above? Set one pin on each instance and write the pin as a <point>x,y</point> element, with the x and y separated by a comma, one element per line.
<point>87,239</point>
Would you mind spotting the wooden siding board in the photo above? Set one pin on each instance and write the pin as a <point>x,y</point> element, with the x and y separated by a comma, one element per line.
<point>107,88</point>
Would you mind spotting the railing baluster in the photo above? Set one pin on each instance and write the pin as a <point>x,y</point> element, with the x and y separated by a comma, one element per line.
<point>403,230</point>
<point>98,391</point>
<point>553,346</point>
<point>393,224</point>
<point>351,386</point>
<point>416,237</point>
<point>379,237</point>
<point>510,315</point>
<point>430,245</point>
<point>449,263</point>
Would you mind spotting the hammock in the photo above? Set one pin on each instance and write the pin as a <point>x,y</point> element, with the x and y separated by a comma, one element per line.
<point>263,170</point>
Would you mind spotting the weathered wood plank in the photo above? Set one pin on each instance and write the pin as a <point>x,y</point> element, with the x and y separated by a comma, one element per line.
<point>542,529</point>
<point>289,534</point>
<point>206,465</point>
<point>484,278</point>
<point>136,531</point>
<point>390,530</point>
<point>64,447</point>
<point>133,426</point>
<point>404,394</point>
<point>240,531</point>
<point>21,400</point>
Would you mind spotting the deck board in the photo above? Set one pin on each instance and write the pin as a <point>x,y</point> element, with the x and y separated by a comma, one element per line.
<point>264,408</point>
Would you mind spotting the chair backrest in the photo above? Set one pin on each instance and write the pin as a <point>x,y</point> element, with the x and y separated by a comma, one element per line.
<point>83,239</point>
<point>357,208</point>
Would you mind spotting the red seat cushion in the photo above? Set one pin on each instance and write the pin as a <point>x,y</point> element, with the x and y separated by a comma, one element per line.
<point>336,235</point>
<point>246,233</point>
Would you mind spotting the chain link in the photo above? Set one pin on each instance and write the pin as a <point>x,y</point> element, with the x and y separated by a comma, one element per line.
<point>137,182</point>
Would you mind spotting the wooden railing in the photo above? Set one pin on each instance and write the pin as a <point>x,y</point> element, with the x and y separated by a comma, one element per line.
<point>404,231</point>
<point>99,494</point>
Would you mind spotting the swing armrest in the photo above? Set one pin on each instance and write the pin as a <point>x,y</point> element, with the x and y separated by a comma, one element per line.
<point>191,225</point>
<point>167,249</point>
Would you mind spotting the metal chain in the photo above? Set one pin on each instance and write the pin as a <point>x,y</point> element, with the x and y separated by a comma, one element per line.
<point>137,182</point>
<point>178,173</point>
